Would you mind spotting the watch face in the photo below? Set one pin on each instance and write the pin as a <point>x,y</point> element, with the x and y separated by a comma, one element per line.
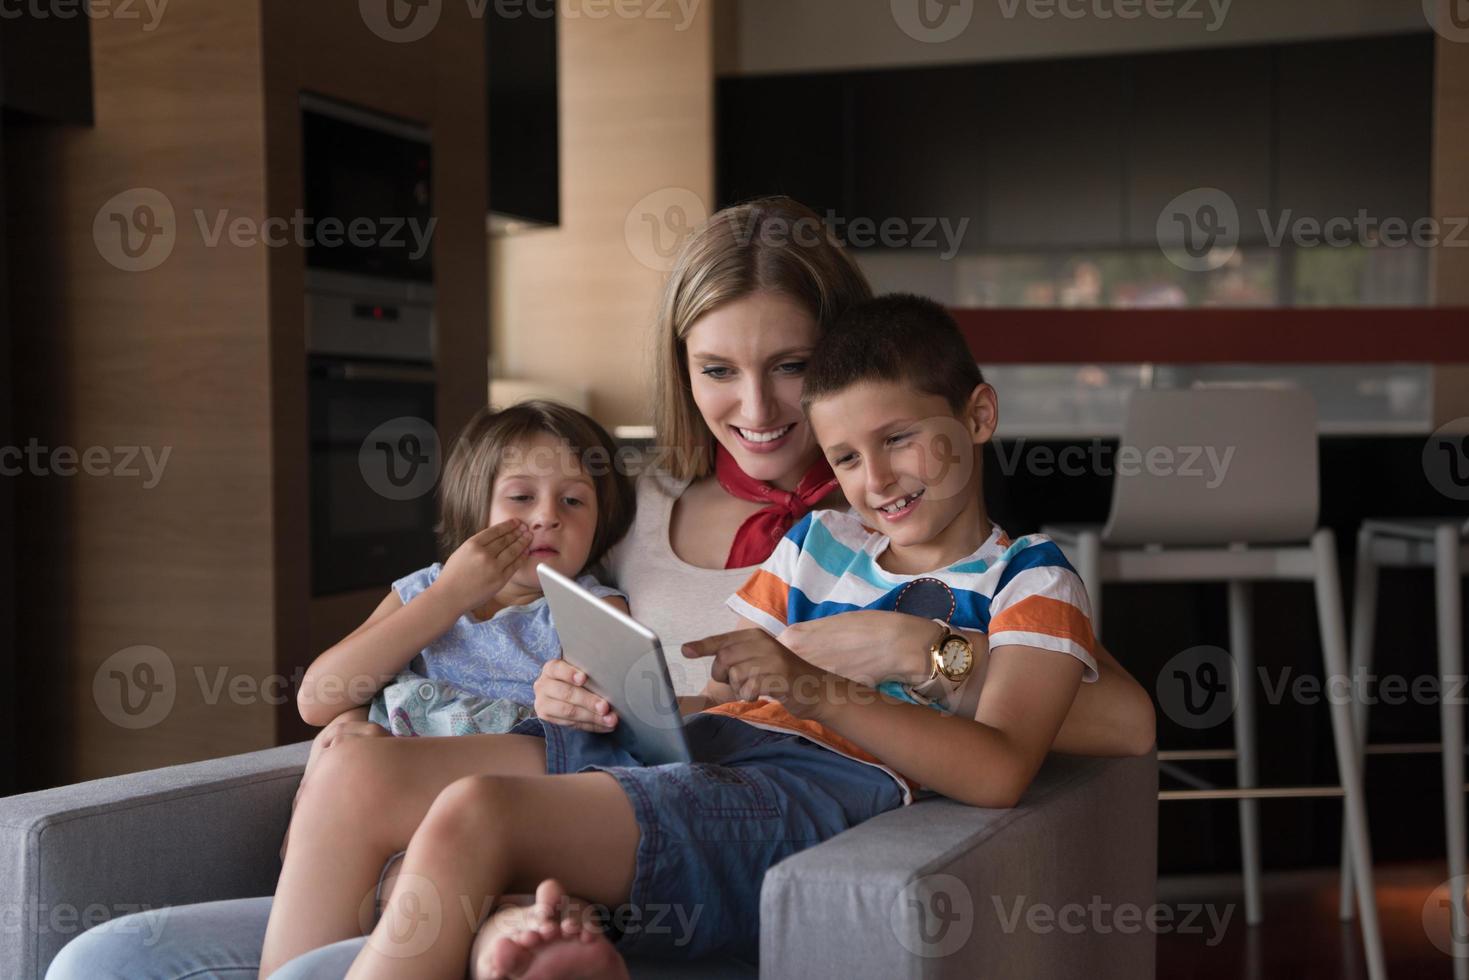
<point>958,657</point>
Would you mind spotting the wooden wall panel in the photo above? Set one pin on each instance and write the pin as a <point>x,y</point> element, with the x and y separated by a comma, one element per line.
<point>202,356</point>
<point>439,80</point>
<point>175,359</point>
<point>573,305</point>
<point>1450,202</point>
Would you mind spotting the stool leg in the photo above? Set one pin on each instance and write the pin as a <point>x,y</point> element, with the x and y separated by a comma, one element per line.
<point>1241,643</point>
<point>1364,628</point>
<point>1089,567</point>
<point>1334,657</point>
<point>1447,584</point>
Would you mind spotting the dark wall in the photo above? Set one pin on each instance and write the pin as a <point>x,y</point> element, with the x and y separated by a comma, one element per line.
<point>1083,153</point>
<point>45,79</point>
<point>8,733</point>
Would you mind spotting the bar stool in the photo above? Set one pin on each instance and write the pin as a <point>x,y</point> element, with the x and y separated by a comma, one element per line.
<point>1441,544</point>
<point>1245,513</point>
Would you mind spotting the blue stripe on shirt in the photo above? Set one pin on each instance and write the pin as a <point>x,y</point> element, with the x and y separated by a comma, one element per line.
<point>1042,555</point>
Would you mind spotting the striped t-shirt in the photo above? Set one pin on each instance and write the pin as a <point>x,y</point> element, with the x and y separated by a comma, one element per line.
<point>1017,592</point>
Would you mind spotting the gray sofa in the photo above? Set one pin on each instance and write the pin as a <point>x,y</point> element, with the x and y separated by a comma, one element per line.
<point>936,890</point>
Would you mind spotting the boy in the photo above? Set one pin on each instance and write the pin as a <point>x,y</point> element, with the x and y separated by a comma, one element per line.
<point>901,410</point>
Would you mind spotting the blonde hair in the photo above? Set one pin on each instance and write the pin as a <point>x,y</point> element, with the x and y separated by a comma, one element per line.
<point>480,451</point>
<point>772,244</point>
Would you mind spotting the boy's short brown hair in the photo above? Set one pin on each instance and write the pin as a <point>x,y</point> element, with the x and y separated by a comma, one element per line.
<point>899,338</point>
<point>480,450</point>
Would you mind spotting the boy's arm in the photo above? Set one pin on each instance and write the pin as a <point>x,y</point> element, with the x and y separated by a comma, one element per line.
<point>875,645</point>
<point>985,761</point>
<point>871,645</point>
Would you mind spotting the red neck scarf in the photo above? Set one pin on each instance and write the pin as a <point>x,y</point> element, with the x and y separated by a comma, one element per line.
<point>762,530</point>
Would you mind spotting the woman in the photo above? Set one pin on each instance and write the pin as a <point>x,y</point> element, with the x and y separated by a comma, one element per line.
<point>749,298</point>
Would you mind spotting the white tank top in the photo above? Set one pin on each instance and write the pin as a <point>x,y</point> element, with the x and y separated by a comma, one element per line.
<point>676,600</point>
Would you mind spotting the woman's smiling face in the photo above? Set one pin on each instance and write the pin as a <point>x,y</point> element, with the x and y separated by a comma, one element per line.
<point>746,360</point>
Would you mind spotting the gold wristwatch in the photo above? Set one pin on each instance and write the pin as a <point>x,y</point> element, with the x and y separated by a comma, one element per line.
<point>951,658</point>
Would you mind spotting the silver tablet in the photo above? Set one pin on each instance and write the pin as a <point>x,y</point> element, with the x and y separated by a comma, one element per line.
<point>624,663</point>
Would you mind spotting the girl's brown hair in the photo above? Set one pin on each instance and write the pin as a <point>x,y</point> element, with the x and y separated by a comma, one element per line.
<point>480,450</point>
<point>771,244</point>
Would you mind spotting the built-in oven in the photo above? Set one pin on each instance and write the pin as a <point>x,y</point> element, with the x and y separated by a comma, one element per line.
<point>370,348</point>
<point>375,455</point>
<point>368,192</point>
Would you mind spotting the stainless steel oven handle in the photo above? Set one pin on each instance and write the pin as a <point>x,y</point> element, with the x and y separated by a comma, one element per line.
<point>385,372</point>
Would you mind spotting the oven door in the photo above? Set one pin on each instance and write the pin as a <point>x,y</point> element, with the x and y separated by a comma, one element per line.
<point>374,468</point>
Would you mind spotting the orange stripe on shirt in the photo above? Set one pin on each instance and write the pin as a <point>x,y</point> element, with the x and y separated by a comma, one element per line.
<point>1043,614</point>
<point>773,715</point>
<point>767,593</point>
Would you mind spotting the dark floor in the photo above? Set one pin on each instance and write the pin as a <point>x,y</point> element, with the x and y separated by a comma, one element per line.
<point>1301,937</point>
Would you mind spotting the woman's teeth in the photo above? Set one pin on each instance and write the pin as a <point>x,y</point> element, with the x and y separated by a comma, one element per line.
<point>763,436</point>
<point>898,505</point>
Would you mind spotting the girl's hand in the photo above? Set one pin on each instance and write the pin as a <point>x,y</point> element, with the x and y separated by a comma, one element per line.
<point>562,698</point>
<point>755,665</point>
<point>481,566</point>
<point>336,733</point>
<point>870,646</point>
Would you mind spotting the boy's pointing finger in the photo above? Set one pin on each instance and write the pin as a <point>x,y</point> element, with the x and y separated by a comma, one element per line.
<point>710,646</point>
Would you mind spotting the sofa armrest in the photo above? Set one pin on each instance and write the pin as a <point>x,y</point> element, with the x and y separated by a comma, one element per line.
<point>75,856</point>
<point>942,890</point>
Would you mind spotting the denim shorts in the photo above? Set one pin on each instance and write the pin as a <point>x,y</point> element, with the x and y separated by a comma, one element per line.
<point>711,828</point>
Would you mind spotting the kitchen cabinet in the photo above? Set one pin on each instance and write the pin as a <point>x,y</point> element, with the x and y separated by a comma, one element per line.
<point>46,66</point>
<point>1053,153</point>
<point>1355,128</point>
<point>1085,153</point>
<point>523,123</point>
<point>919,147</point>
<point>786,135</point>
<point>1199,119</point>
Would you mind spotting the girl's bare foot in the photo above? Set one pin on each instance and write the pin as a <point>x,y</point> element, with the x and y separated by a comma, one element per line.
<point>549,940</point>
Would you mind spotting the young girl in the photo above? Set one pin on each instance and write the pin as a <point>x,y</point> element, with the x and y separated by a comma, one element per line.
<point>455,647</point>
